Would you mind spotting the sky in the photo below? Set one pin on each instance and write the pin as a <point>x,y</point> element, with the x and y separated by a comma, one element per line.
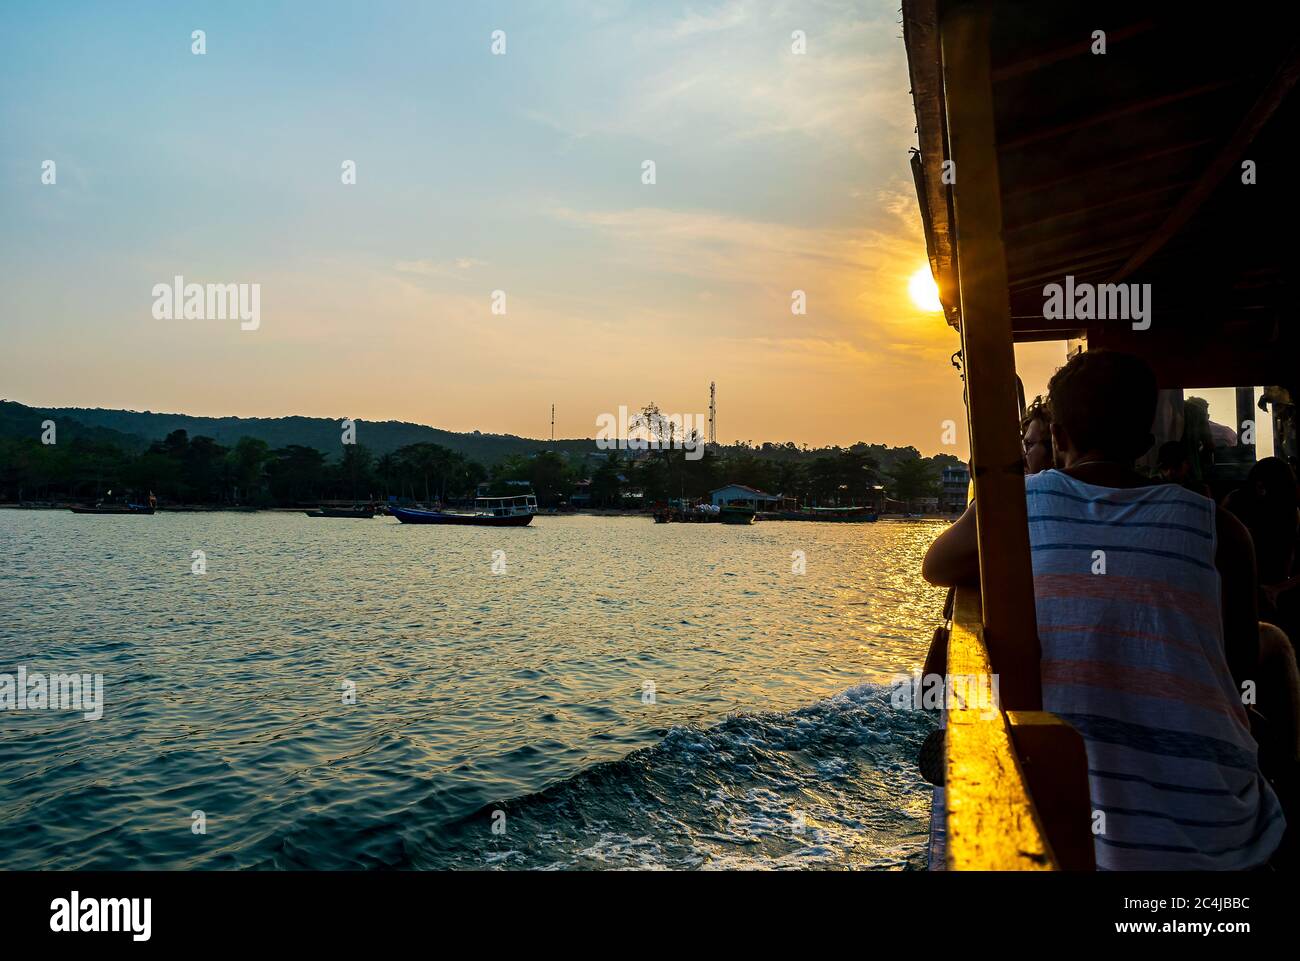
<point>476,172</point>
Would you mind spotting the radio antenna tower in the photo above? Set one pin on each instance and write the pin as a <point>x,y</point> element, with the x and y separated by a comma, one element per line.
<point>552,423</point>
<point>713,413</point>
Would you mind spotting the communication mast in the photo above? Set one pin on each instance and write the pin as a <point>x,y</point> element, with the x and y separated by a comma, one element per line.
<point>713,413</point>
<point>552,423</point>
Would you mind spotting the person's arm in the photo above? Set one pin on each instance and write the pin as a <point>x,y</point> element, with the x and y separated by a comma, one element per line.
<point>953,560</point>
<point>1235,559</point>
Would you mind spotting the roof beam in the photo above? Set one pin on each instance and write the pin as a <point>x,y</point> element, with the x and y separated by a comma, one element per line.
<point>1081,173</point>
<point>1089,229</point>
<point>1076,268</point>
<point>1114,113</point>
<point>921,33</point>
<point>1045,57</point>
<point>1192,201</point>
<point>1076,211</point>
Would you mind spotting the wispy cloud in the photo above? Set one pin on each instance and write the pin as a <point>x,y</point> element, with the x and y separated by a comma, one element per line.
<point>726,17</point>
<point>854,278</point>
<point>729,74</point>
<point>778,171</point>
<point>457,267</point>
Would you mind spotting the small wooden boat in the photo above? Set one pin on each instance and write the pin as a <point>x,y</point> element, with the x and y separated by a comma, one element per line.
<point>488,512</point>
<point>113,509</point>
<point>736,515</point>
<point>362,512</point>
<point>410,515</point>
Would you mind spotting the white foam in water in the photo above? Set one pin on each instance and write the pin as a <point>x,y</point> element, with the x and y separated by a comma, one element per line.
<point>830,785</point>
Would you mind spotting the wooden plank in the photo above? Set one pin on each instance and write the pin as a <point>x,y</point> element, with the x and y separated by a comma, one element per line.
<point>1113,201</point>
<point>989,360</point>
<point>992,824</point>
<point>1054,762</point>
<point>1227,158</point>
<point>1076,47</point>
<point>1073,174</point>
<point>1111,114</point>
<point>1077,266</point>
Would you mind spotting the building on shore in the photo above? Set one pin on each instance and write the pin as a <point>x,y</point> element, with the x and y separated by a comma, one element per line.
<point>955,484</point>
<point>739,495</point>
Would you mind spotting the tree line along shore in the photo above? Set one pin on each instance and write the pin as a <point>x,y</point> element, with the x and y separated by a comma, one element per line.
<point>180,470</point>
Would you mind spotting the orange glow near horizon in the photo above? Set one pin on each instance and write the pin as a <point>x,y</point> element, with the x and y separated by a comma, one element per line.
<point>368,313</point>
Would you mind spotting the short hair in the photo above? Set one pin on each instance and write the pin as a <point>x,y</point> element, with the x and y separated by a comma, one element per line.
<point>1277,479</point>
<point>1037,410</point>
<point>1106,401</point>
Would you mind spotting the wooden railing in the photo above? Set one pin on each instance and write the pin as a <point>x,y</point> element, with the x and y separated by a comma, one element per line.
<point>1016,782</point>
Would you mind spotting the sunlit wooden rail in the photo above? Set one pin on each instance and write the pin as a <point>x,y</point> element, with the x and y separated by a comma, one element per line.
<point>1016,788</point>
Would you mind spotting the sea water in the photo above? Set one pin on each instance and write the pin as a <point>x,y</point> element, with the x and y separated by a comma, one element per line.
<point>586,692</point>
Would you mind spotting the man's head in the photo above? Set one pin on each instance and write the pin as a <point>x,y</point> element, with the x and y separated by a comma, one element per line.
<point>1273,481</point>
<point>1102,403</point>
<point>1036,435</point>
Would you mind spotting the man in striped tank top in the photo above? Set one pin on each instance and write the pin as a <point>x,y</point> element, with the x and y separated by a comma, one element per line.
<point>1146,609</point>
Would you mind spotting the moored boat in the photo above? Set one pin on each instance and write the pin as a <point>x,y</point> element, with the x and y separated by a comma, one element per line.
<point>113,509</point>
<point>488,512</point>
<point>356,512</point>
<point>736,515</point>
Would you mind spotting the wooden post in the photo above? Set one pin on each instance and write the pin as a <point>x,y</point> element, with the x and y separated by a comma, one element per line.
<point>1006,583</point>
<point>1054,764</point>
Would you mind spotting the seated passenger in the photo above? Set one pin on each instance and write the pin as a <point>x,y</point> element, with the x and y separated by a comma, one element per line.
<point>1267,504</point>
<point>1138,586</point>
<point>1036,437</point>
<point>1176,467</point>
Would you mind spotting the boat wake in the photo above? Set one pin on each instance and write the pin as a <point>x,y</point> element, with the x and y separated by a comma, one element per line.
<point>832,785</point>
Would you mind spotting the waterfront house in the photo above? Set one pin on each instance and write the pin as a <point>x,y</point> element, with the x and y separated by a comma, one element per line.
<point>741,496</point>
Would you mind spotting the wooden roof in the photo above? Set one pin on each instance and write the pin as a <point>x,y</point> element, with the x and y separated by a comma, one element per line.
<point>1127,167</point>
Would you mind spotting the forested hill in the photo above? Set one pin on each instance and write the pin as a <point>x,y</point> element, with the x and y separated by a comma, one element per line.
<point>20,421</point>
<point>322,433</point>
<point>134,431</point>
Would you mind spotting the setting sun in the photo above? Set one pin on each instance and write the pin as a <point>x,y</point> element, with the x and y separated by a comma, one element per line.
<point>923,290</point>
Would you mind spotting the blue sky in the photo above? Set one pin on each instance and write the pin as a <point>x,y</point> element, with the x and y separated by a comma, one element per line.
<point>475,173</point>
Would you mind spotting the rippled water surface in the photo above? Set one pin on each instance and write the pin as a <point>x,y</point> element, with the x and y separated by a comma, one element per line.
<point>501,720</point>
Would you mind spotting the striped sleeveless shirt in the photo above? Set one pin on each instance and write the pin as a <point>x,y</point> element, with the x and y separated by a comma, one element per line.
<point>1128,604</point>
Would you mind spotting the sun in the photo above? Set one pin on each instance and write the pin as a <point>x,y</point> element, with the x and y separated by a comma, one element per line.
<point>924,293</point>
